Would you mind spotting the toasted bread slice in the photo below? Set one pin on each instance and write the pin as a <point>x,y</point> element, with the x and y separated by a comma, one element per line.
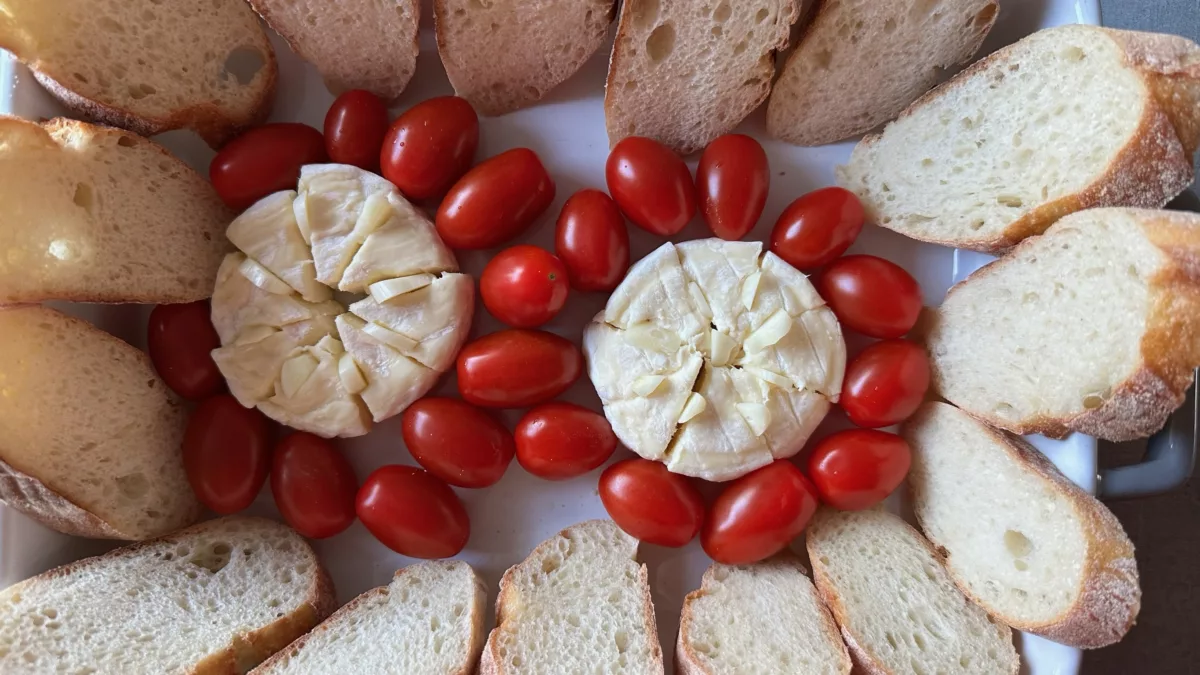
<point>1090,327</point>
<point>1067,119</point>
<point>898,609</point>
<point>683,76</point>
<point>765,618</point>
<point>503,55</point>
<point>148,65</point>
<point>860,63</point>
<point>95,214</point>
<point>1019,538</point>
<point>579,602</point>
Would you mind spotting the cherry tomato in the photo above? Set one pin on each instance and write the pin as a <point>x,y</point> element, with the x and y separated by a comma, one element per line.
<point>732,182</point>
<point>264,160</point>
<point>226,453</point>
<point>651,184</point>
<point>314,486</point>
<point>758,514</point>
<point>651,503</point>
<point>354,129</point>
<point>457,442</point>
<point>413,513</point>
<point>496,201</point>
<point>430,146</point>
<point>559,440</point>
<point>517,368</point>
<point>180,341</point>
<point>885,383</point>
<point>592,240</point>
<point>524,286</point>
<point>858,468</point>
<point>871,295</point>
<point>817,228</point>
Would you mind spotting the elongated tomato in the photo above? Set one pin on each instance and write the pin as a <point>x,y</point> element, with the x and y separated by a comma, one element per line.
<point>517,368</point>
<point>313,485</point>
<point>758,514</point>
<point>873,296</point>
<point>559,440</point>
<point>858,468</point>
<point>413,513</point>
<point>817,228</point>
<point>226,453</point>
<point>885,383</point>
<point>430,146</point>
<point>263,160</point>
<point>354,129</point>
<point>592,240</point>
<point>651,184</point>
<point>732,182</point>
<point>180,342</point>
<point>651,503</point>
<point>457,442</point>
<point>496,201</point>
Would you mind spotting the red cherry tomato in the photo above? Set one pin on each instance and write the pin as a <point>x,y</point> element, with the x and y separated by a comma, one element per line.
<point>651,503</point>
<point>496,201</point>
<point>430,146</point>
<point>413,513</point>
<point>314,486</point>
<point>354,129</point>
<point>592,240</point>
<point>817,228</point>
<point>858,468</point>
<point>524,286</point>
<point>758,514</point>
<point>885,383</point>
<point>651,184</point>
<point>226,453</point>
<point>871,295</point>
<point>517,368</point>
<point>558,440</point>
<point>180,341</point>
<point>457,442</point>
<point>264,160</point>
<point>732,182</point>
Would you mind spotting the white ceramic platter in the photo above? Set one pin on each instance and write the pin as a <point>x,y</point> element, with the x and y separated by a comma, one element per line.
<point>567,131</point>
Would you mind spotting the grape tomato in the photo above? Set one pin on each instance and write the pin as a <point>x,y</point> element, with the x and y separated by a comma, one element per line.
<point>430,146</point>
<point>873,296</point>
<point>314,485</point>
<point>354,129</point>
<point>732,183</point>
<point>649,502</point>
<point>457,442</point>
<point>226,453</point>
<point>413,512</point>
<point>495,201</point>
<point>517,368</point>
<point>651,184</point>
<point>757,515</point>
<point>592,241</point>
<point>817,228</point>
<point>180,342</point>
<point>885,383</point>
<point>264,160</point>
<point>560,440</point>
<point>858,468</point>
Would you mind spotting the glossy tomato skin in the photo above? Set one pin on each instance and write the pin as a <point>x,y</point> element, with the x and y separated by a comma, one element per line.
<point>354,128</point>
<point>558,440</point>
<point>430,147</point>
<point>180,341</point>
<point>495,201</point>
<point>651,184</point>
<point>873,296</point>
<point>524,286</point>
<point>264,160</point>
<point>758,514</point>
<point>226,453</point>
<point>591,239</point>
<point>314,485</point>
<point>732,182</point>
<point>858,468</point>
<point>817,228</point>
<point>885,383</point>
<point>651,503</point>
<point>413,513</point>
<point>457,442</point>
<point>517,368</point>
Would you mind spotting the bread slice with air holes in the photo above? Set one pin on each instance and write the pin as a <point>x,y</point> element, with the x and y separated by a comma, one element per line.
<point>96,214</point>
<point>428,621</point>
<point>683,74</point>
<point>503,55</point>
<point>148,65</point>
<point>1019,538</point>
<point>214,599</point>
<point>764,618</point>
<point>1090,327</point>
<point>860,63</point>
<point>898,609</point>
<point>579,602</point>
<point>1066,119</point>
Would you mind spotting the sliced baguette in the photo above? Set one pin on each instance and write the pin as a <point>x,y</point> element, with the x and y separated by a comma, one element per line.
<point>683,75</point>
<point>503,55</point>
<point>95,214</point>
<point>579,603</point>
<point>860,63</point>
<point>90,436</point>
<point>1090,327</point>
<point>428,621</point>
<point>1019,538</point>
<point>354,45</point>
<point>214,599</point>
<point>148,65</point>
<point>1068,118</point>
<point>765,618</point>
